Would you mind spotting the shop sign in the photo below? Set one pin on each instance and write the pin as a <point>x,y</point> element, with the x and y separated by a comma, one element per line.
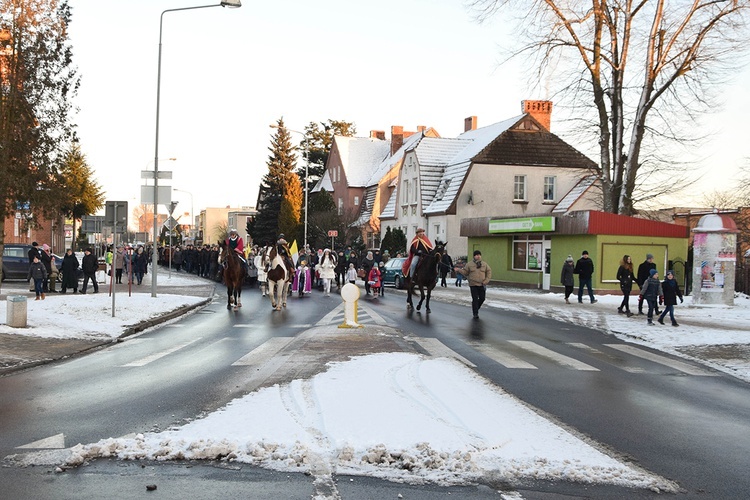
<point>522,225</point>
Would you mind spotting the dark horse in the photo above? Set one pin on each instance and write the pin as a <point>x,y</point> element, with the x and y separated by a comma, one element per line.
<point>234,275</point>
<point>425,276</point>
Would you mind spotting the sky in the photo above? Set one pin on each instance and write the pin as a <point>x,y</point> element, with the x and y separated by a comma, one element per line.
<point>227,74</point>
<point>413,407</point>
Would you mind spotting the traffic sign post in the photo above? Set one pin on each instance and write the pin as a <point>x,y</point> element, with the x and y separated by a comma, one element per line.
<point>333,234</point>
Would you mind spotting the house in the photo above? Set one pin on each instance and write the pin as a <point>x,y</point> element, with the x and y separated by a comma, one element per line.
<point>513,168</point>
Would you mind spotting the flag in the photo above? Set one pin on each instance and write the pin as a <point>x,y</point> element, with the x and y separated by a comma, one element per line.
<point>294,251</point>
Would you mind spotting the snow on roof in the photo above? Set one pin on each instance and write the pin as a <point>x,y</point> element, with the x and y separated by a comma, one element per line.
<point>433,155</point>
<point>389,212</point>
<point>367,204</point>
<point>574,194</point>
<point>360,156</point>
<point>324,183</point>
<point>389,162</point>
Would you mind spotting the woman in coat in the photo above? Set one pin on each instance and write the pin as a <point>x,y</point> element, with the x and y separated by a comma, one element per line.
<point>140,264</point>
<point>69,271</point>
<point>567,277</point>
<point>327,270</point>
<point>626,278</point>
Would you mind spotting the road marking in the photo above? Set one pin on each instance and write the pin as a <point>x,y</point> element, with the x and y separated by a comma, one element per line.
<point>592,350</point>
<point>439,350</point>
<point>377,318</point>
<point>263,352</point>
<point>158,355</point>
<point>671,363</point>
<point>328,318</point>
<point>56,442</point>
<point>244,325</point>
<point>504,358</point>
<point>552,355</point>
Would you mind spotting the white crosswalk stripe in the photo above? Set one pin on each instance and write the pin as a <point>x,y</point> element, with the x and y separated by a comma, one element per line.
<point>263,352</point>
<point>552,355</point>
<point>662,360</point>
<point>439,350</point>
<point>506,359</point>
<point>158,355</point>
<point>597,352</point>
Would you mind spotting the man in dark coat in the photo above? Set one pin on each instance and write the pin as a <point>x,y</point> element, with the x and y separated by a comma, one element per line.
<point>69,272</point>
<point>585,270</point>
<point>643,275</point>
<point>89,265</point>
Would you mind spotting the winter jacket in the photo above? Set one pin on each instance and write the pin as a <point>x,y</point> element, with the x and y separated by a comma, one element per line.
<point>584,268</point>
<point>478,275</point>
<point>446,265</point>
<point>643,272</point>
<point>327,267</point>
<point>671,290</point>
<point>625,277</point>
<point>90,264</point>
<point>651,289</point>
<point>567,277</point>
<point>70,271</point>
<point>37,271</point>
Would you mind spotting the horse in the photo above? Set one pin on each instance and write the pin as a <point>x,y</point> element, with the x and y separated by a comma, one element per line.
<point>278,275</point>
<point>234,275</point>
<point>425,276</point>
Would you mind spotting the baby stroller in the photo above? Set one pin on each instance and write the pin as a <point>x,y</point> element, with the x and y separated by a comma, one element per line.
<point>374,281</point>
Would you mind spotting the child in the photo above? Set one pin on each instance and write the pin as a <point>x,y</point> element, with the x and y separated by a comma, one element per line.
<point>39,273</point>
<point>374,280</point>
<point>351,274</point>
<point>381,268</point>
<point>671,290</point>
<point>650,291</point>
<point>459,276</point>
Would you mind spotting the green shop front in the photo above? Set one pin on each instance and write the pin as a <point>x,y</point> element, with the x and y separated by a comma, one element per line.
<point>529,252</point>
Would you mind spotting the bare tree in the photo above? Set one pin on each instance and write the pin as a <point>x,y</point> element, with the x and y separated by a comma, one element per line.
<point>643,69</point>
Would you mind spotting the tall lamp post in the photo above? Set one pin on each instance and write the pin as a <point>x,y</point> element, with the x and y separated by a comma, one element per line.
<point>307,172</point>
<point>224,3</point>
<point>192,214</point>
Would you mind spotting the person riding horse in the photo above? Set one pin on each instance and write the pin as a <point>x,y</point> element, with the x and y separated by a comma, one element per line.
<point>420,245</point>
<point>234,242</point>
<point>282,248</point>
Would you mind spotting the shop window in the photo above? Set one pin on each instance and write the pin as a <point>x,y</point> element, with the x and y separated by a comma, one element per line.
<point>527,254</point>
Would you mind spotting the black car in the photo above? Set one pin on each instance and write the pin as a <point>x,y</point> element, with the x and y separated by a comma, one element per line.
<point>392,274</point>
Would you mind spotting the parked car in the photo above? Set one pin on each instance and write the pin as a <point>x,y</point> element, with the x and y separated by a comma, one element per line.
<point>392,274</point>
<point>16,262</point>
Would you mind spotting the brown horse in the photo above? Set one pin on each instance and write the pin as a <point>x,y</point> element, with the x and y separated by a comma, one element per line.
<point>425,277</point>
<point>234,275</point>
<point>278,275</point>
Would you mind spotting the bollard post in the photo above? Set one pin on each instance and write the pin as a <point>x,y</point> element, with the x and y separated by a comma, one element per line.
<point>16,311</point>
<point>350,295</point>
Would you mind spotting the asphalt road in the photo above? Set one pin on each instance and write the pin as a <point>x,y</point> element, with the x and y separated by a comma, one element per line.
<point>674,418</point>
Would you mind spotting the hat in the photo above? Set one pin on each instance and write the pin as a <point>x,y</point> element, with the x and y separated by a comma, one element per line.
<point>585,252</point>
<point>652,272</point>
<point>420,230</point>
<point>670,272</point>
<point>35,244</point>
<point>649,256</point>
<point>381,264</point>
<point>45,247</point>
<point>477,252</point>
<point>232,231</point>
<point>569,259</point>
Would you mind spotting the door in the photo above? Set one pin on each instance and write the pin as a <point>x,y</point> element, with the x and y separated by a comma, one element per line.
<point>547,253</point>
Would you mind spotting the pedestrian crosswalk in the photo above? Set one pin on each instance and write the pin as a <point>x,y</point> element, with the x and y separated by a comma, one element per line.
<point>365,315</point>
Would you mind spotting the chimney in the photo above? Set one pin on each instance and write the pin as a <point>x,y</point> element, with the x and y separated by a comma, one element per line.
<point>397,138</point>
<point>421,128</point>
<point>377,134</point>
<point>470,123</point>
<point>540,110</point>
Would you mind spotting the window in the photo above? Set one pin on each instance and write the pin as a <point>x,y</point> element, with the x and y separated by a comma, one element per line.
<point>403,211</point>
<point>415,191</point>
<point>414,210</point>
<point>519,188</point>
<point>341,206</point>
<point>338,173</point>
<point>405,199</point>
<point>527,254</point>
<point>356,201</point>
<point>373,240</point>
<point>437,230</point>
<point>549,188</point>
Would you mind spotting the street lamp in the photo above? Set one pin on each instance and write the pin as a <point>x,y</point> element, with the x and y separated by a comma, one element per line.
<point>224,3</point>
<point>307,172</point>
<point>192,214</point>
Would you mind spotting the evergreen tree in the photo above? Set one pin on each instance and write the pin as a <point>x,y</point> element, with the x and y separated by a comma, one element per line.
<point>37,85</point>
<point>291,206</point>
<point>317,146</point>
<point>273,188</point>
<point>387,243</point>
<point>79,194</point>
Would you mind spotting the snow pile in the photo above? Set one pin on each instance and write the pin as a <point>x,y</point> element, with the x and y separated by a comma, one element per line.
<point>396,416</point>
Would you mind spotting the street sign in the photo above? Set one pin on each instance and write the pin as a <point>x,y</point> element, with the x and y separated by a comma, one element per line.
<point>171,223</point>
<point>333,233</point>
<point>149,174</point>
<point>120,218</point>
<point>165,195</point>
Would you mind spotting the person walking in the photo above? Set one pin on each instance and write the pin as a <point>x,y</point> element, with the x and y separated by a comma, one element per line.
<point>479,275</point>
<point>119,263</point>
<point>446,265</point>
<point>642,276</point>
<point>140,264</point>
<point>671,290</point>
<point>38,273</point>
<point>351,274</point>
<point>69,272</point>
<point>626,277</point>
<point>90,265</point>
<point>585,270</point>
<point>367,264</point>
<point>341,265</point>
<point>327,270</point>
<point>650,292</point>
<point>567,277</point>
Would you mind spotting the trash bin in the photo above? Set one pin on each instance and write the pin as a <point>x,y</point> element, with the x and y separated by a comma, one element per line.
<point>16,312</point>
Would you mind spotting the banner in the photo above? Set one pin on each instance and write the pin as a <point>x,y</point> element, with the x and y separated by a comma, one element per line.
<point>294,251</point>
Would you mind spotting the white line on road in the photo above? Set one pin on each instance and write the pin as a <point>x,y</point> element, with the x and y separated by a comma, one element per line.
<point>328,318</point>
<point>56,442</point>
<point>439,350</point>
<point>161,354</point>
<point>504,358</point>
<point>629,369</point>
<point>552,355</point>
<point>671,363</point>
<point>263,352</point>
<point>375,316</point>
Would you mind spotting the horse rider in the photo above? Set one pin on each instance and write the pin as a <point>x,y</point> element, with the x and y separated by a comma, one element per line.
<point>234,242</point>
<point>282,248</point>
<point>420,245</point>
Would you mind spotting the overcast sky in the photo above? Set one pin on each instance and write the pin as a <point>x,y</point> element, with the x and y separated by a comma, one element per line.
<point>229,73</point>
